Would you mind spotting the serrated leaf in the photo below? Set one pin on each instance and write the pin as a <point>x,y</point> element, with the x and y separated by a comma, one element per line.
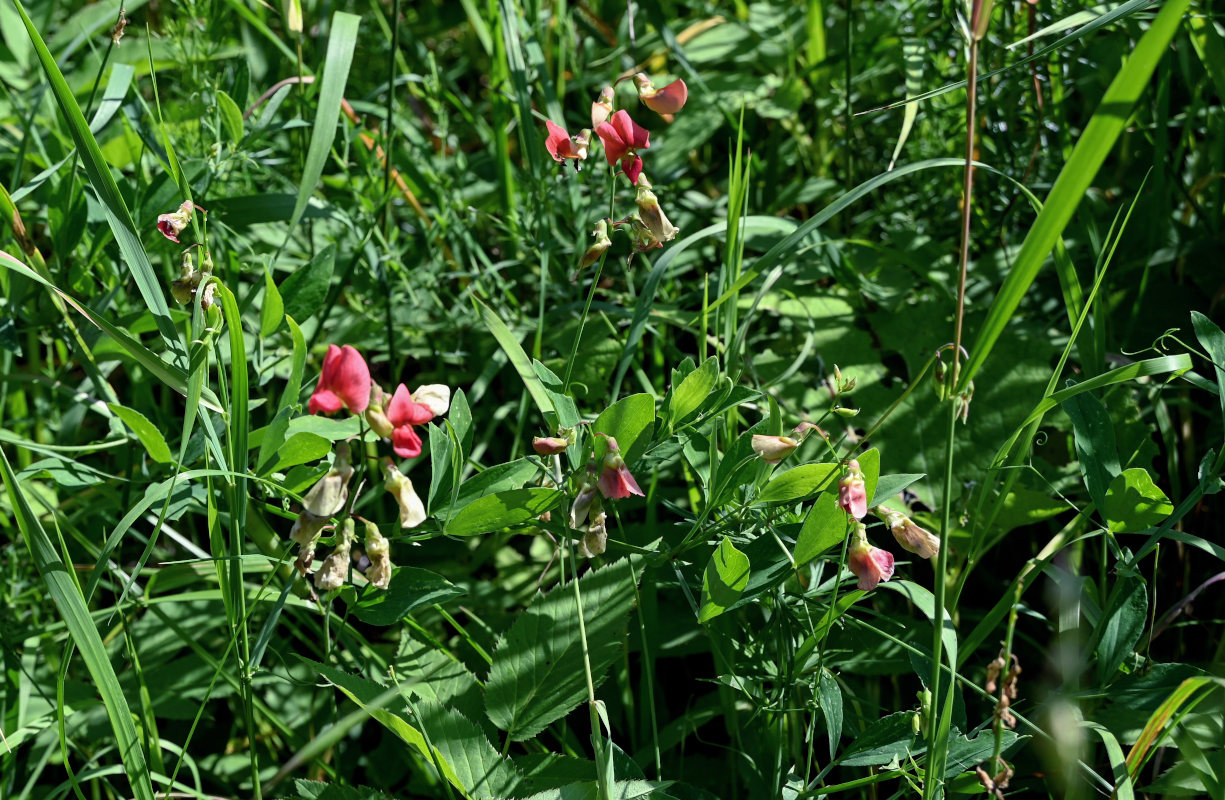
<point>537,676</point>
<point>798,483</point>
<point>482,771</point>
<point>502,510</point>
<point>726,575</point>
<point>410,588</point>
<point>145,431</point>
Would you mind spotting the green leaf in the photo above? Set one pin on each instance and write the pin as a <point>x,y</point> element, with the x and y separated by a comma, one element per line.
<point>518,359</point>
<point>269,440</point>
<point>537,676</point>
<point>692,392</point>
<point>1095,143</point>
<point>824,527</point>
<point>830,694</point>
<point>1120,626</point>
<point>727,573</point>
<point>66,594</point>
<point>1093,435</point>
<point>231,116</point>
<point>341,43</point>
<point>500,478</point>
<point>118,217</point>
<point>272,314</point>
<point>301,448</point>
<point>410,588</point>
<point>502,510</point>
<point>798,483</point>
<point>145,430</point>
<point>912,57</point>
<point>626,421</point>
<point>892,485</point>
<point>1134,503</point>
<point>481,770</point>
<point>305,289</point>
<point>869,464</point>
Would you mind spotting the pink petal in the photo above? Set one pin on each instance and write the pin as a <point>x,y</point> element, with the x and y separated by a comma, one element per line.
<point>669,99</point>
<point>403,411</point>
<point>558,142</point>
<point>614,147</point>
<point>631,133</point>
<point>351,379</point>
<point>324,400</point>
<point>406,442</point>
<point>632,167</point>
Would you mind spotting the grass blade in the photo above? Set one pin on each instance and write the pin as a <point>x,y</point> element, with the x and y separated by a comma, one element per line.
<point>1074,179</point>
<point>113,206</point>
<point>67,596</point>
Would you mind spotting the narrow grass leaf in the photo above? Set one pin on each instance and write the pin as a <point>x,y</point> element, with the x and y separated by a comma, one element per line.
<point>111,201</point>
<point>1074,179</point>
<point>67,597</point>
<point>518,358</point>
<point>146,432</point>
<point>341,44</point>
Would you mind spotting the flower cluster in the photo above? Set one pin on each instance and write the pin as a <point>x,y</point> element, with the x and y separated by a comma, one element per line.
<point>345,384</point>
<point>623,139</point>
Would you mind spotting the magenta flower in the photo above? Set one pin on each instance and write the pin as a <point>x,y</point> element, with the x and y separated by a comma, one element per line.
<point>561,146</point>
<point>615,480</point>
<point>852,492</point>
<point>344,382</point>
<point>172,224</point>
<point>622,139</point>
<point>870,564</point>
<point>403,413</point>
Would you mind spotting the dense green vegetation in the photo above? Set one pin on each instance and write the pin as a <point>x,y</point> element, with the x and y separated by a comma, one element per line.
<point>364,436</point>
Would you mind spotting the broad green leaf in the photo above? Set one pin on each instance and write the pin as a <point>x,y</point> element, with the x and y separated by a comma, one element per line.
<point>824,527</point>
<point>503,477</point>
<point>1120,626</point>
<point>727,573</point>
<point>479,767</point>
<point>146,431</point>
<point>231,116</point>
<point>66,594</point>
<point>1213,340</point>
<point>628,421</point>
<point>410,588</point>
<point>1093,435</point>
<point>301,448</point>
<point>297,366</point>
<point>798,483</point>
<point>305,289</point>
<point>502,510</point>
<point>269,440</point>
<point>869,464</point>
<point>272,313</point>
<point>830,694</point>
<point>890,486</point>
<point>1134,503</point>
<point>341,43</point>
<point>537,676</point>
<point>692,392</point>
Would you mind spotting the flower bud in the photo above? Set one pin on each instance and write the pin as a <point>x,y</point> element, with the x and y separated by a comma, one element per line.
<point>592,254</point>
<point>595,540</point>
<point>652,215</point>
<point>602,107</point>
<point>379,551</point>
<point>183,287</point>
<point>846,412</point>
<point>412,510</point>
<point>773,449</point>
<point>549,446</point>
<point>852,492</point>
<point>376,418</point>
<point>327,497</point>
<point>335,568</point>
<point>909,535</point>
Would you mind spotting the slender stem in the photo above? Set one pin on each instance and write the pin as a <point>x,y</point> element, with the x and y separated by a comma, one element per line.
<point>582,322</point>
<point>596,739</point>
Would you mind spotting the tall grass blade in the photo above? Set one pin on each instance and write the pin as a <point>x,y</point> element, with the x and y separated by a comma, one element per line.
<point>67,596</point>
<point>1074,179</point>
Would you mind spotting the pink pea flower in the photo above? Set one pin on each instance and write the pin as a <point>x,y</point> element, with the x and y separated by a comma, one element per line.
<point>870,564</point>
<point>773,449</point>
<point>561,146</point>
<point>403,412</point>
<point>622,139</point>
<point>615,481</point>
<point>345,381</point>
<point>852,492</point>
<point>172,224</point>
<point>667,100</point>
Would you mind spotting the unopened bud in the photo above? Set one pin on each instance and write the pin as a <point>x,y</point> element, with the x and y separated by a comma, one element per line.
<point>602,107</point>
<point>773,449</point>
<point>327,497</point>
<point>592,254</point>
